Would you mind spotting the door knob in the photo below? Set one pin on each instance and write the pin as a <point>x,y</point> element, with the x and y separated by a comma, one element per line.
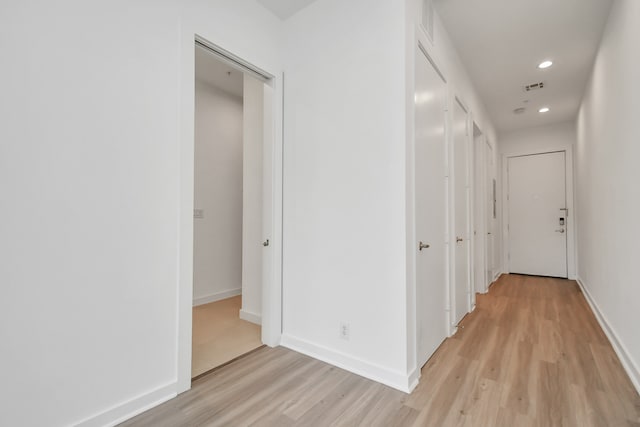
<point>459,239</point>
<point>265,243</point>
<point>560,231</point>
<point>422,246</point>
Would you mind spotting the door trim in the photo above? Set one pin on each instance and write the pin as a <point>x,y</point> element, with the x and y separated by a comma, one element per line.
<point>571,215</point>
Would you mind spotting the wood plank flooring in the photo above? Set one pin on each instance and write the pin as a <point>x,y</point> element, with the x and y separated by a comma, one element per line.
<point>219,335</point>
<point>531,354</point>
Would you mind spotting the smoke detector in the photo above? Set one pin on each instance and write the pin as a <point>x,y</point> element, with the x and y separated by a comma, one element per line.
<point>533,86</point>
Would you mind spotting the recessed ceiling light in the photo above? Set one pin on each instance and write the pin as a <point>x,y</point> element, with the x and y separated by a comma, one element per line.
<point>545,64</point>
<point>543,110</point>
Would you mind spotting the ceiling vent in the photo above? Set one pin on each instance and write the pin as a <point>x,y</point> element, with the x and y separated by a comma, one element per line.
<point>534,86</point>
<point>519,110</point>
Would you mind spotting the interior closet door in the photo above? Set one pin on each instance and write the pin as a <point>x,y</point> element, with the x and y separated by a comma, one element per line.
<point>460,239</point>
<point>490,214</point>
<point>430,197</point>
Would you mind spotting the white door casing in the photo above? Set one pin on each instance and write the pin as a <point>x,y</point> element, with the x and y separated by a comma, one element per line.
<point>537,215</point>
<point>430,206</point>
<point>460,237</point>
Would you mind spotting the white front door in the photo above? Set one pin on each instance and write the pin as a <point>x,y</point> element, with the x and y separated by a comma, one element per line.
<point>460,238</point>
<point>537,215</point>
<point>431,261</point>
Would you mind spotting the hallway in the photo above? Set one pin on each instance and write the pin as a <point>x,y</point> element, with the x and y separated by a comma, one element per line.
<point>531,354</point>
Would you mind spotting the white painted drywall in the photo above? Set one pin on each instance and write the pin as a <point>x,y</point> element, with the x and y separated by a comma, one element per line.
<point>96,97</point>
<point>217,261</point>
<point>253,130</point>
<point>540,139</point>
<point>344,195</point>
<point>608,201</point>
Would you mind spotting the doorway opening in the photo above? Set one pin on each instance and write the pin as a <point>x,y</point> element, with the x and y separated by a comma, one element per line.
<point>231,196</point>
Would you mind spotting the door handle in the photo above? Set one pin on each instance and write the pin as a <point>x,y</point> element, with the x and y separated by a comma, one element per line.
<point>459,239</point>
<point>265,243</point>
<point>422,246</point>
<point>560,231</point>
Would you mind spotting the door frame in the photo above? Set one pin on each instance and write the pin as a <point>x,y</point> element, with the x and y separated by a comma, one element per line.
<point>272,289</point>
<point>571,214</point>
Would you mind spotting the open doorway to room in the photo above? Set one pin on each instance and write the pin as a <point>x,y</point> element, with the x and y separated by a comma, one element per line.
<point>228,211</point>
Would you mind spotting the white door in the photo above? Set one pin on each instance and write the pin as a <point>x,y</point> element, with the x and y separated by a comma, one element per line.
<point>430,101</point>
<point>537,215</point>
<point>479,222</point>
<point>461,212</point>
<point>490,206</point>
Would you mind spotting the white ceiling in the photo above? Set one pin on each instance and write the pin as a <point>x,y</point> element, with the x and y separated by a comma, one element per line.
<point>211,70</point>
<point>285,8</point>
<point>501,42</point>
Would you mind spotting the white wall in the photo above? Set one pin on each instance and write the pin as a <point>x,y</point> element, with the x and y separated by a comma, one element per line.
<point>96,101</point>
<point>253,131</point>
<point>344,195</point>
<point>608,201</point>
<point>217,262</point>
<point>539,139</point>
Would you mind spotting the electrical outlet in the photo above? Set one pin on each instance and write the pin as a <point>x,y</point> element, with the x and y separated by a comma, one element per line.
<point>198,213</point>
<point>344,331</point>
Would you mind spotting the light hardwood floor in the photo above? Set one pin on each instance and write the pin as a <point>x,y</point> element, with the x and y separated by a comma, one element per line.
<point>219,335</point>
<point>531,354</point>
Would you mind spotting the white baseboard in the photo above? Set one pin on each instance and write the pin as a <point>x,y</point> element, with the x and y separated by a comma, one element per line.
<point>394,379</point>
<point>414,379</point>
<point>629,365</point>
<point>251,317</point>
<point>129,409</point>
<point>217,296</point>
